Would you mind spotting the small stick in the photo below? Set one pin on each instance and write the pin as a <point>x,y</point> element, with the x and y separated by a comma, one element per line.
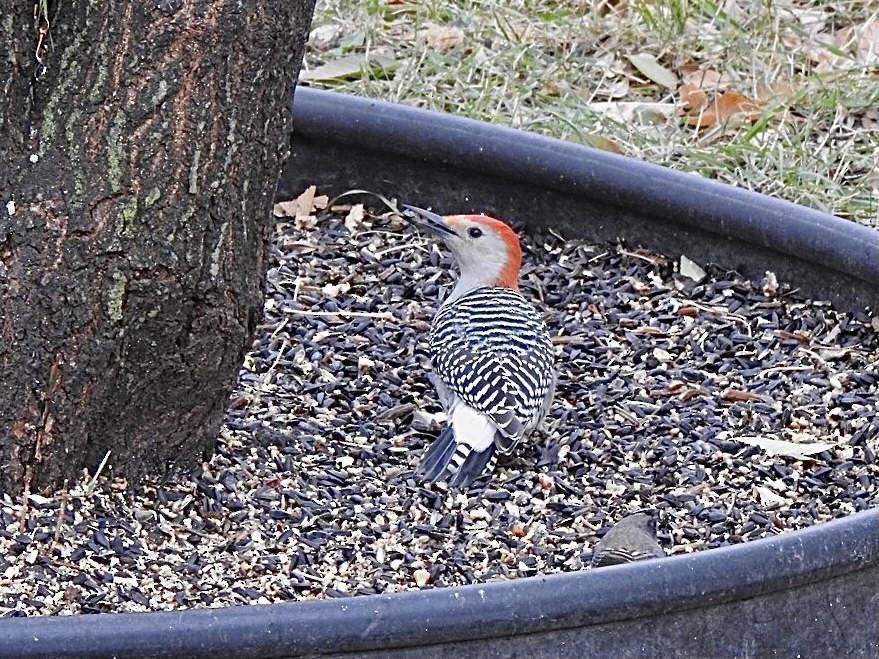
<point>384,315</point>
<point>91,486</point>
<point>268,374</point>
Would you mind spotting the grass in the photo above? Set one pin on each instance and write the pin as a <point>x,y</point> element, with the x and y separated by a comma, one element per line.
<point>807,74</point>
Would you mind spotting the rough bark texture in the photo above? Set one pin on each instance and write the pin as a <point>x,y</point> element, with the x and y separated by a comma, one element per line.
<point>138,160</point>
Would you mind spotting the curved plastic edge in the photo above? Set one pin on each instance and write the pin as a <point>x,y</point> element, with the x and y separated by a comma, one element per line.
<point>804,233</point>
<point>445,615</point>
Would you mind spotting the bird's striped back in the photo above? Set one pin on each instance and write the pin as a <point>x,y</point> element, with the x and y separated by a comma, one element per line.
<point>492,349</point>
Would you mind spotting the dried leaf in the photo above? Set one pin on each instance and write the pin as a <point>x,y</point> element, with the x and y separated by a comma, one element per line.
<point>728,106</point>
<point>690,269</point>
<point>350,66</point>
<point>285,208</point>
<point>396,412</point>
<point>827,55</point>
<point>630,111</point>
<point>692,96</point>
<point>867,39</point>
<point>442,38</point>
<point>802,337</point>
<point>421,577</point>
<point>616,89</point>
<point>305,202</point>
<point>858,43</point>
<point>353,40</point>
<point>355,217</point>
<point>647,65</point>
<point>603,143</point>
<point>770,499</point>
<point>782,447</point>
<point>303,206</point>
<point>297,246</point>
<point>324,37</point>
<point>707,79</point>
<point>775,91</point>
<point>813,19</point>
<point>737,395</point>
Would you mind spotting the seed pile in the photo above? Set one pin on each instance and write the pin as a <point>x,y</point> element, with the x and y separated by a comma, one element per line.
<point>311,492</point>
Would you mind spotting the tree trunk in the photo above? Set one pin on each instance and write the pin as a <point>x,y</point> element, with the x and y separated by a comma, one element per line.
<point>140,144</point>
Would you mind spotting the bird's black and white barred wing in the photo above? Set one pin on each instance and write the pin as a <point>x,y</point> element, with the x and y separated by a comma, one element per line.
<point>532,382</point>
<point>492,350</point>
<point>482,382</point>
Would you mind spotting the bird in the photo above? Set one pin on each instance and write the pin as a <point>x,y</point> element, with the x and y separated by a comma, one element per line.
<point>633,538</point>
<point>490,348</point>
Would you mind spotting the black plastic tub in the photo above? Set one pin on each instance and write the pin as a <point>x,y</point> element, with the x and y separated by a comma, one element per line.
<point>813,592</point>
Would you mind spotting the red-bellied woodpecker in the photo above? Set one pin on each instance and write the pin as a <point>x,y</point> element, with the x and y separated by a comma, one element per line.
<point>491,351</point>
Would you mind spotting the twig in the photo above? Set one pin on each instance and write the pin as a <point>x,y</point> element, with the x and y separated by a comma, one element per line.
<point>384,315</point>
<point>390,250</point>
<point>268,374</point>
<point>91,486</point>
<point>653,260</point>
<point>280,327</point>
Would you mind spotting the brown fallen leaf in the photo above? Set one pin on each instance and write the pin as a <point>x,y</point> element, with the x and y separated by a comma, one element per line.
<point>603,143</point>
<point>724,108</point>
<point>775,91</point>
<point>689,394</point>
<point>442,38</point>
<point>737,395</point>
<point>692,96</point>
<point>699,85</point>
<point>297,246</point>
<point>711,80</point>
<point>802,337</point>
<point>303,206</point>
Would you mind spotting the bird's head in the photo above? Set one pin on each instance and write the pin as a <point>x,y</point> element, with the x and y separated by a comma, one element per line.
<point>487,250</point>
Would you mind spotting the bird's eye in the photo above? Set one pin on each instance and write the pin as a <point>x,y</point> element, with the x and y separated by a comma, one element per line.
<point>474,232</point>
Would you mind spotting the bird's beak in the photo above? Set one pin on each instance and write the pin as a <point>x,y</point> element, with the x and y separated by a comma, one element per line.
<point>435,224</point>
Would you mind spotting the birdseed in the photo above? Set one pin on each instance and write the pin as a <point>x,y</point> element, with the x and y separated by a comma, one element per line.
<point>311,491</point>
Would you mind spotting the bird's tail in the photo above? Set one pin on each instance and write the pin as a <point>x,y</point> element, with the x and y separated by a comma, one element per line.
<point>456,462</point>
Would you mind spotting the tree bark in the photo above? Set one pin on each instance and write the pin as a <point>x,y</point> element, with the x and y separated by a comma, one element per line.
<point>140,144</point>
